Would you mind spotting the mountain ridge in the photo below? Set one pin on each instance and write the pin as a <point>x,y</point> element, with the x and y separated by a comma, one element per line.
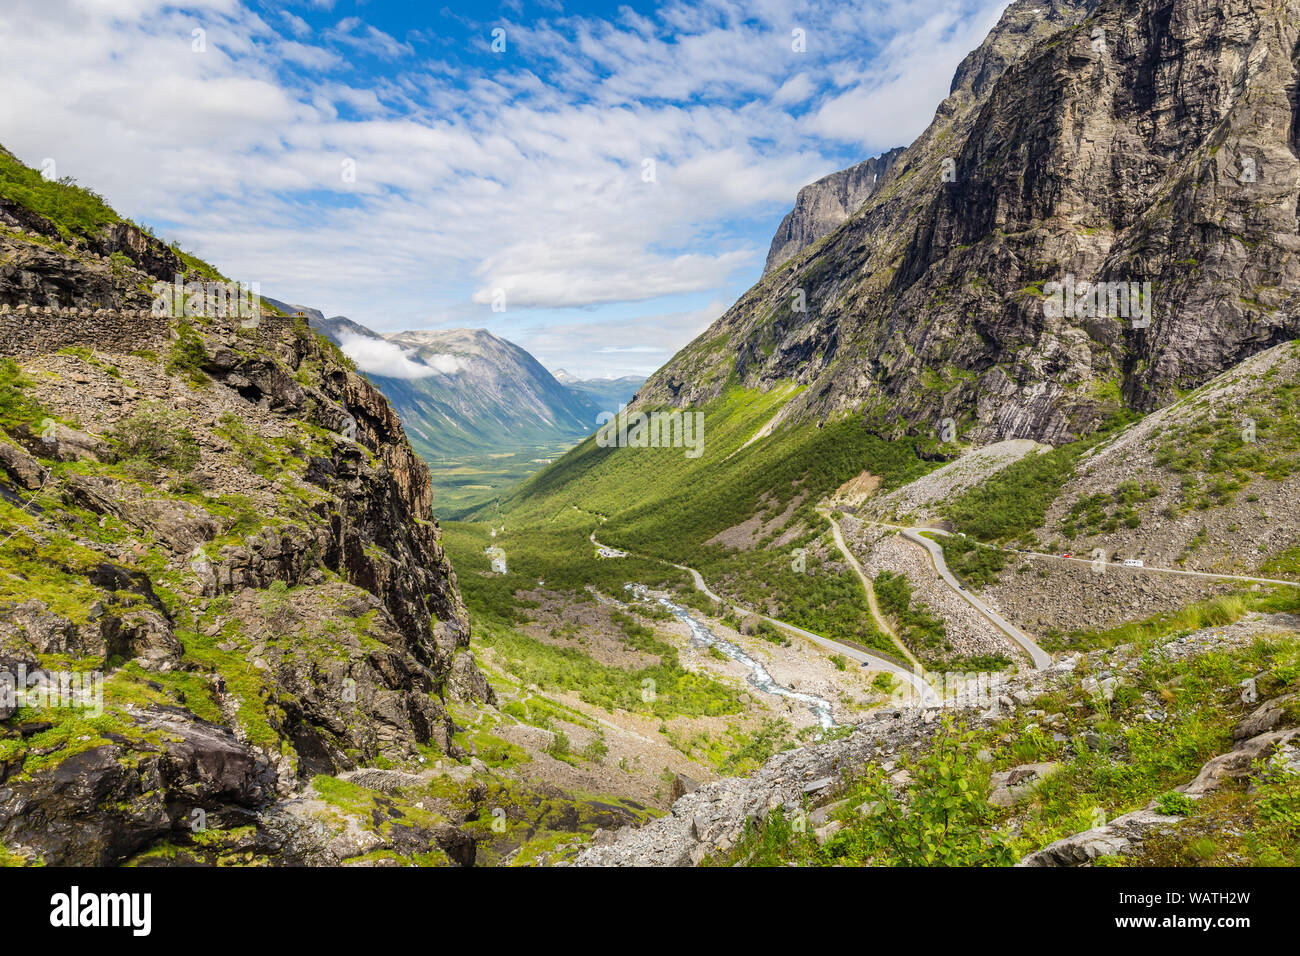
<point>476,391</point>
<point>823,205</point>
<point>928,303</point>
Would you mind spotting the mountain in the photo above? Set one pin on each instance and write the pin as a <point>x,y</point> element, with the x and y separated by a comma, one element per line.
<point>230,631</point>
<point>461,391</point>
<point>728,638</point>
<point>1117,493</point>
<point>312,315</point>
<point>824,205</point>
<point>607,394</point>
<point>227,523</point>
<point>1084,142</point>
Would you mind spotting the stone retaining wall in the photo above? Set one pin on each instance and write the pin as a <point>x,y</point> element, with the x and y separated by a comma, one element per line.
<point>33,330</point>
<point>36,330</point>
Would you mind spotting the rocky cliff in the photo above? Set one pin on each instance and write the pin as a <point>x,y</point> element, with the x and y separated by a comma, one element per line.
<point>223,520</point>
<point>822,206</point>
<point>1148,144</point>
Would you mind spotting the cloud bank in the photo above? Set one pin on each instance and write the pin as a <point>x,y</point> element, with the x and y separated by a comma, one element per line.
<point>386,164</point>
<point>389,360</point>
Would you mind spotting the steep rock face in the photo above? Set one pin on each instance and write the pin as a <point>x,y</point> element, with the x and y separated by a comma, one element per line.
<point>110,269</point>
<point>825,204</point>
<point>1133,142</point>
<point>238,536</point>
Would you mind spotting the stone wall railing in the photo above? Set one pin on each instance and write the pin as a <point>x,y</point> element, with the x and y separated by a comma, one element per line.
<point>37,330</point>
<point>33,330</point>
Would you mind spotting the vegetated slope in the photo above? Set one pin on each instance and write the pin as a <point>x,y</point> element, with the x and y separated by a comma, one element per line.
<point>1205,484</point>
<point>59,219</point>
<point>661,503</point>
<point>607,394</point>
<point>233,530</point>
<point>1146,753</point>
<point>1111,141</point>
<point>1208,483</point>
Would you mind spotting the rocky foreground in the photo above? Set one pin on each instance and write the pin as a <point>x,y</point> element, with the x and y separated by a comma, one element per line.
<point>710,820</point>
<point>219,530</point>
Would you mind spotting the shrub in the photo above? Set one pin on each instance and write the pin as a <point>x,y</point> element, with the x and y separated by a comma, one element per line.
<point>16,407</point>
<point>559,747</point>
<point>188,355</point>
<point>154,436</point>
<point>945,820</point>
<point>72,208</point>
<point>1175,804</point>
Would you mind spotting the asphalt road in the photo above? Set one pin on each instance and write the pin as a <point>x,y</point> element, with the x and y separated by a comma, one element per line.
<point>1040,657</point>
<point>924,694</point>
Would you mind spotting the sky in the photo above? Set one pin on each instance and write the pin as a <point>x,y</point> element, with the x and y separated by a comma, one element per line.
<point>595,182</point>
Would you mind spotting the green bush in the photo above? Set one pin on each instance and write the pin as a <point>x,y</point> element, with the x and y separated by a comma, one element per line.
<point>16,406</point>
<point>155,436</point>
<point>188,355</point>
<point>1175,804</point>
<point>72,208</point>
<point>973,564</point>
<point>923,633</point>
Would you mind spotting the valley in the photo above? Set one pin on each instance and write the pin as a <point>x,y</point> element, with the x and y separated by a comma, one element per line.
<point>899,560</point>
<point>462,484</point>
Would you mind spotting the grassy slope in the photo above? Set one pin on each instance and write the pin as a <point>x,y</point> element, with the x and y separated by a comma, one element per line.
<point>75,211</point>
<point>660,503</point>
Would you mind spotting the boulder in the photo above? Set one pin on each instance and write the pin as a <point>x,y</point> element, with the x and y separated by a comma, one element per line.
<point>25,470</point>
<point>1264,718</point>
<point>143,635</point>
<point>681,786</point>
<point>1009,786</point>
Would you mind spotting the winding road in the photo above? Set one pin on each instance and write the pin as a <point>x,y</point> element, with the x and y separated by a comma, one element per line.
<point>1040,657</point>
<point>867,585</point>
<point>1146,568</point>
<point>925,695</point>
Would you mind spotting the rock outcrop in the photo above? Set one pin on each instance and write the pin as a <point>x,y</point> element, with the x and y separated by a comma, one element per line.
<point>1109,142</point>
<point>232,560</point>
<point>824,205</point>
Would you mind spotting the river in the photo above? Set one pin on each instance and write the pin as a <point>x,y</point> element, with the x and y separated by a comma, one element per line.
<point>702,635</point>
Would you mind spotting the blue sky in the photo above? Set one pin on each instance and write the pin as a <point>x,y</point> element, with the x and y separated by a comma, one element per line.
<point>612,177</point>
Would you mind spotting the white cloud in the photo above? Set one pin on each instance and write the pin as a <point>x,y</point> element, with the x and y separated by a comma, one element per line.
<point>794,90</point>
<point>472,176</point>
<point>891,100</point>
<point>387,359</point>
<point>297,24</point>
<point>368,39</point>
<point>628,346</point>
<point>309,57</point>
